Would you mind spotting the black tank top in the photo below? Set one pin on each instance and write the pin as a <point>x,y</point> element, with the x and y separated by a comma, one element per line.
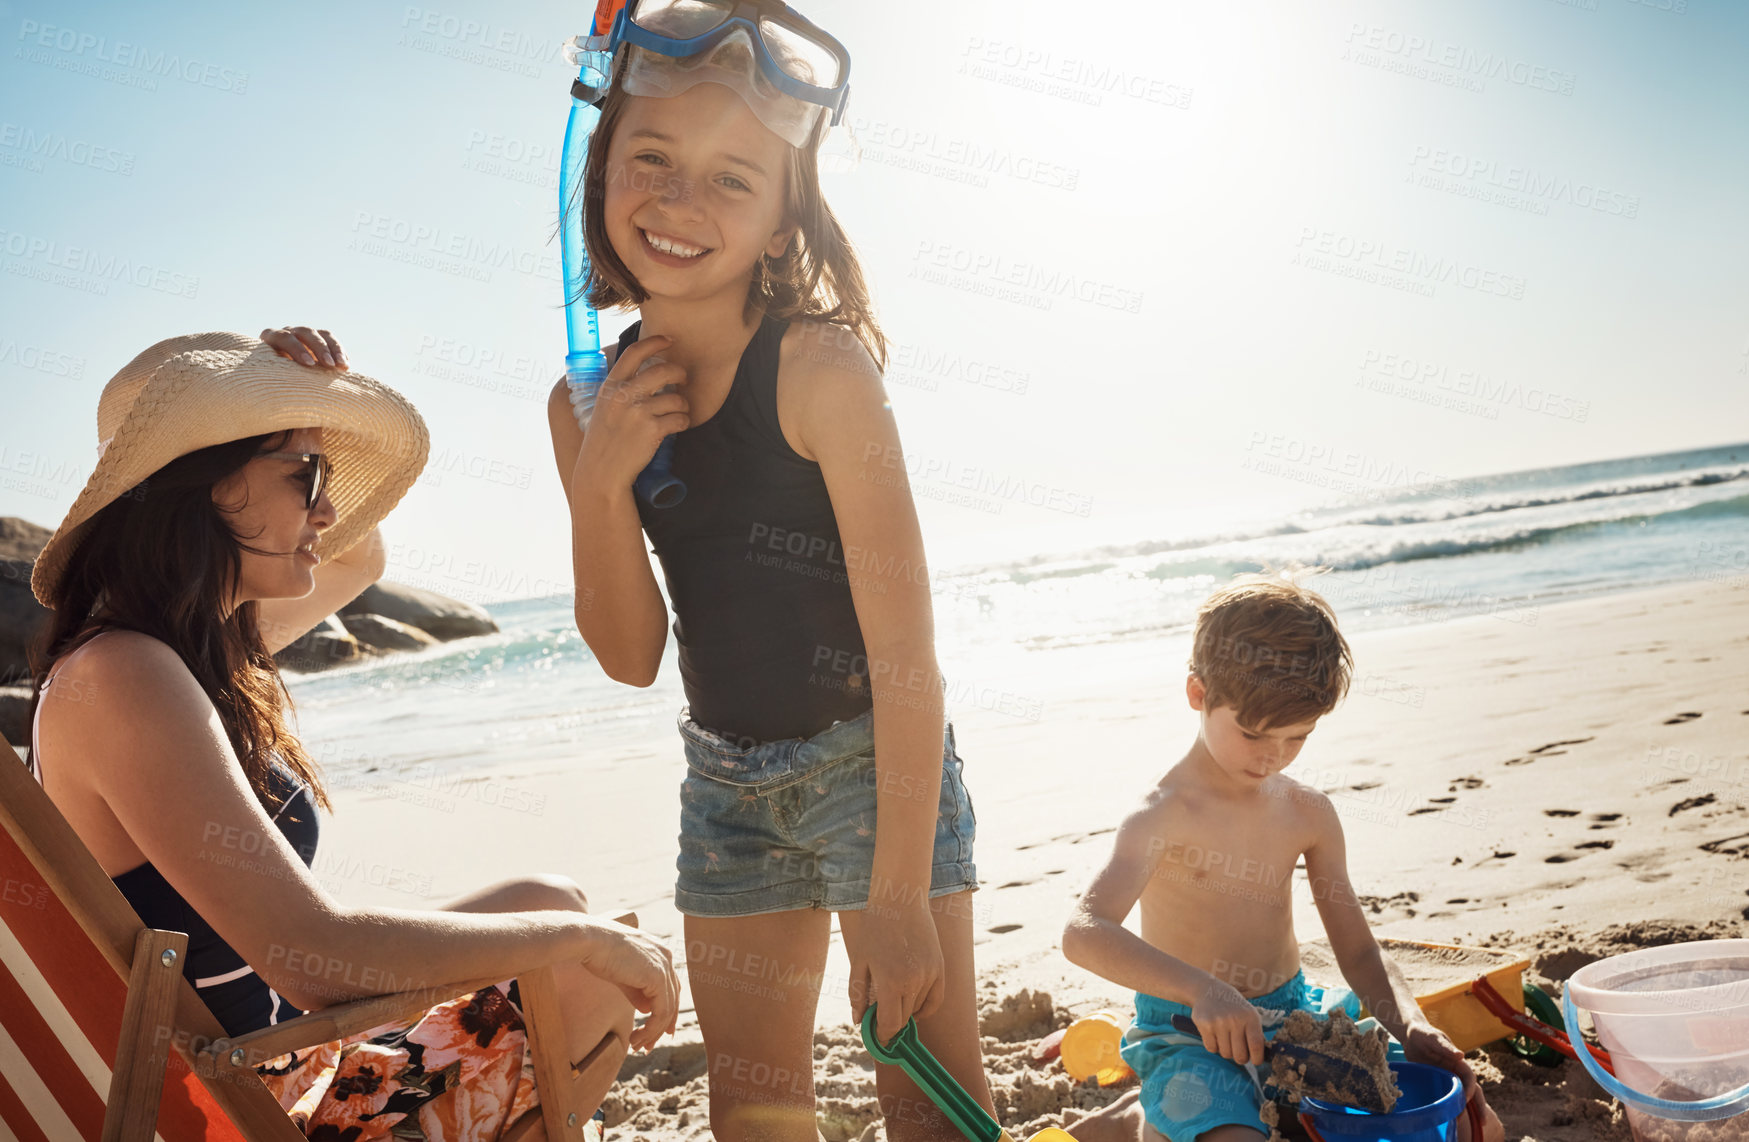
<point>769,643</point>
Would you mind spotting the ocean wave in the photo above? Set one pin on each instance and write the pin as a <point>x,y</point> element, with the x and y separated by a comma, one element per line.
<point>1469,505</point>
<point>1357,541</point>
<point>1358,550</point>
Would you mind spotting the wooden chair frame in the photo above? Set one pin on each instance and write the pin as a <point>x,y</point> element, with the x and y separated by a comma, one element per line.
<point>164,1018</point>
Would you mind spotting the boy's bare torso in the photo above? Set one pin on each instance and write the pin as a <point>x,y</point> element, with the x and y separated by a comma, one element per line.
<point>1220,895</point>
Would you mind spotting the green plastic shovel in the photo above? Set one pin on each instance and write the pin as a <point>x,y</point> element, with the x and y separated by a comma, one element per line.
<point>908,1052</point>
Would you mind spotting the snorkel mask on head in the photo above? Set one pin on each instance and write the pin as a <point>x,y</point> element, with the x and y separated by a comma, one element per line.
<point>789,72</point>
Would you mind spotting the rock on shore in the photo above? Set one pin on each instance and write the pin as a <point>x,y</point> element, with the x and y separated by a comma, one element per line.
<point>440,617</point>
<point>385,619</point>
<point>21,616</point>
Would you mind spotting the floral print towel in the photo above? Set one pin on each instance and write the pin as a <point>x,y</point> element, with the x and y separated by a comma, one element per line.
<point>459,1073</point>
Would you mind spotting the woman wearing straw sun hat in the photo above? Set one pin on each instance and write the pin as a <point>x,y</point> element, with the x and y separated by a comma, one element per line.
<point>233,506</point>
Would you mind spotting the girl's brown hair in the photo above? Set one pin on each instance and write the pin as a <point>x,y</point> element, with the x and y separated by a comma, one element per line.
<point>818,276</point>
<point>161,560</point>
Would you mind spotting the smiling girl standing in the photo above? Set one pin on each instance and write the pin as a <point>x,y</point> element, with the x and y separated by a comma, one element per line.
<point>794,564</point>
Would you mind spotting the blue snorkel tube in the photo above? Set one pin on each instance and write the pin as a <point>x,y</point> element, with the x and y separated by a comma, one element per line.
<point>585,363</point>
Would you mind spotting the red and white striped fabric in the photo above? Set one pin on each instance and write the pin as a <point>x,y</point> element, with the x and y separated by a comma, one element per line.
<point>60,1018</point>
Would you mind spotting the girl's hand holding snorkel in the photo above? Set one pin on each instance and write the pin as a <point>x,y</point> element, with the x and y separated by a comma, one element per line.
<point>631,416</point>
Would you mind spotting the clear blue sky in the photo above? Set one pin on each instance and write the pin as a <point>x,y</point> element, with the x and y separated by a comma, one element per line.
<point>1454,238</point>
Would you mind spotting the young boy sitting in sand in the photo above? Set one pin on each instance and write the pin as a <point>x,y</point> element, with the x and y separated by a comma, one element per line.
<point>1210,854</point>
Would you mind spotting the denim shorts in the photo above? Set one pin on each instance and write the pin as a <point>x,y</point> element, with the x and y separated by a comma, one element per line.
<point>791,824</point>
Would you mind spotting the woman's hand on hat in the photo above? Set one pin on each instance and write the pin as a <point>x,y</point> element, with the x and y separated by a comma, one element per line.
<point>306,346</point>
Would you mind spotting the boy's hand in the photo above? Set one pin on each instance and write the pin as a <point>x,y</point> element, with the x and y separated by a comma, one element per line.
<point>306,346</point>
<point>1230,1026</point>
<point>1426,1043</point>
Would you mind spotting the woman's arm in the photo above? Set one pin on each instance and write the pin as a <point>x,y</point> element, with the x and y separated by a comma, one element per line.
<point>157,757</point>
<point>338,581</point>
<point>619,608</point>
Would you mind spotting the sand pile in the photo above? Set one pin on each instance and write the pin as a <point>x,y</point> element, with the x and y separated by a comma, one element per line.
<point>662,1095</point>
<point>1338,1038</point>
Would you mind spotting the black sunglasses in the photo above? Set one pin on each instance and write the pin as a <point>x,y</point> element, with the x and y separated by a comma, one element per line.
<point>320,468</point>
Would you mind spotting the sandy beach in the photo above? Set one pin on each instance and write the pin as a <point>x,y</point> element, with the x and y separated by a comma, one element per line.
<point>1565,780</point>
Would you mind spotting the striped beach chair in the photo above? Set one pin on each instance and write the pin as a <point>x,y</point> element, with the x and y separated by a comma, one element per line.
<point>101,1037</point>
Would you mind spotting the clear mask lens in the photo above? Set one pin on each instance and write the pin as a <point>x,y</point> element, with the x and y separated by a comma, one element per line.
<point>800,57</point>
<point>682,19</point>
<point>731,64</point>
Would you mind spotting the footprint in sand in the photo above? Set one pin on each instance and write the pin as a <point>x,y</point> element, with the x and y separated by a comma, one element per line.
<point>1001,929</point>
<point>1560,812</point>
<point>1016,884</point>
<point>1466,783</point>
<point>1391,907</point>
<point>1691,803</point>
<point>1686,716</point>
<point>1737,846</point>
<point>1604,820</point>
<point>1072,838</point>
<point>1543,751</point>
<point>1563,858</point>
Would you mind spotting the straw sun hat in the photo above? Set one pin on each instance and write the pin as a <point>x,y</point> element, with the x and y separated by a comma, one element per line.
<point>191,392</point>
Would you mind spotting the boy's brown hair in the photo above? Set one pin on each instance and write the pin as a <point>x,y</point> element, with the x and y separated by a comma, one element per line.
<point>1270,648</point>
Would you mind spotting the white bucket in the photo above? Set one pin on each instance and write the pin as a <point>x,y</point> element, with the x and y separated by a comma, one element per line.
<point>1675,1021</point>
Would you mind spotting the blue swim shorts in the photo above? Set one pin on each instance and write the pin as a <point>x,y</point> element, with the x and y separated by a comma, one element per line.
<point>1188,1090</point>
<point>790,824</point>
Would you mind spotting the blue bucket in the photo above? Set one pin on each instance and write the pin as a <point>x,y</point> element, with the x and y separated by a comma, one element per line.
<point>1431,1103</point>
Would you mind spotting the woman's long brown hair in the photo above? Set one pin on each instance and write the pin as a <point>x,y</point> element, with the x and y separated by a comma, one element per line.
<point>161,560</point>
<point>818,276</point>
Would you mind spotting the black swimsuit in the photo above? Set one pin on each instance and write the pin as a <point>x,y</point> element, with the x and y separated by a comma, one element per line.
<point>238,998</point>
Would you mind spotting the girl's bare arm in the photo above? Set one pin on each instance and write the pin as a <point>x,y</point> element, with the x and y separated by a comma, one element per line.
<point>619,608</point>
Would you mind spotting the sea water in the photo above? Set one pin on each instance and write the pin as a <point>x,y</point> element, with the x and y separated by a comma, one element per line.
<point>1505,546</point>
